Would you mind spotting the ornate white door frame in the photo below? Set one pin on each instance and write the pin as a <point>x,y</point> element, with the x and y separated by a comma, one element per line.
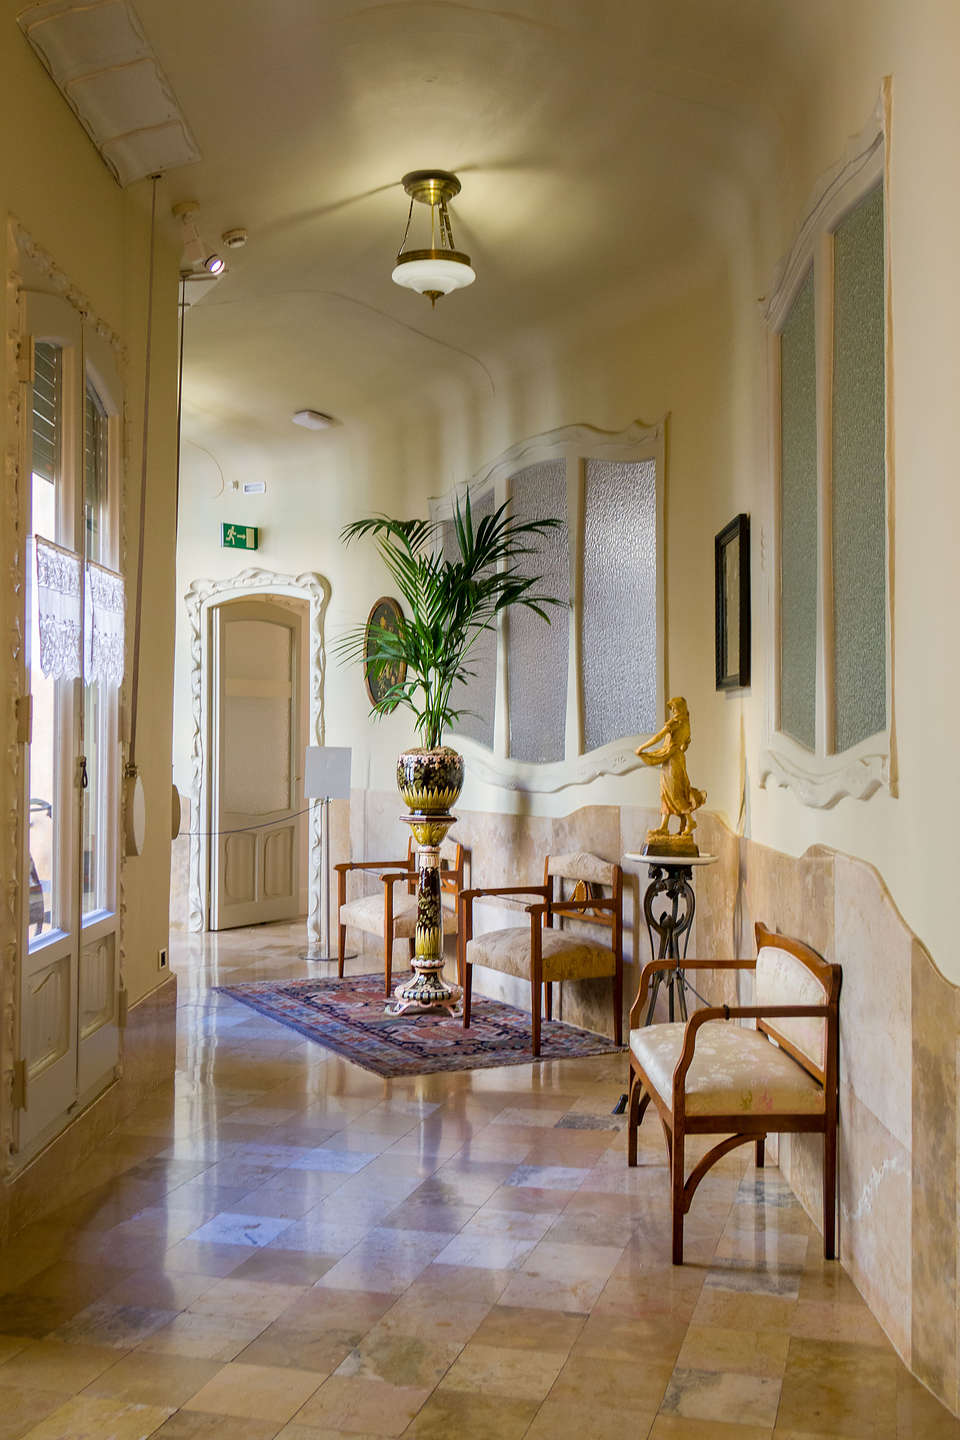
<point>199,598</point>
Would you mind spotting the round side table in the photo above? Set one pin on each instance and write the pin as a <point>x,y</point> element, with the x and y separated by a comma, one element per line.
<point>671,879</point>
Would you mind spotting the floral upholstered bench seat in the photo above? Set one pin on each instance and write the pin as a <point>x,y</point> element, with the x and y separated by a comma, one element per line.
<point>734,1071</point>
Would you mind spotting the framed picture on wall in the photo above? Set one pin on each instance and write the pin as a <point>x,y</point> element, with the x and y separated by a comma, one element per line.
<point>385,615</point>
<point>731,554</point>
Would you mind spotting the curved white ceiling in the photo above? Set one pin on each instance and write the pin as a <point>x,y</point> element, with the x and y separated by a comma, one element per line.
<point>599,144</point>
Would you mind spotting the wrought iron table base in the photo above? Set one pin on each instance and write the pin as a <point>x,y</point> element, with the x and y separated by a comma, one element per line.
<point>672,928</point>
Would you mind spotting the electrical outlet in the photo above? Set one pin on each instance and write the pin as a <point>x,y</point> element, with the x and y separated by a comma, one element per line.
<point>161,959</point>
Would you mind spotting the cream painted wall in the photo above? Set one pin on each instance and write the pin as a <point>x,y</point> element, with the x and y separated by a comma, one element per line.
<point>54,184</point>
<point>694,347</point>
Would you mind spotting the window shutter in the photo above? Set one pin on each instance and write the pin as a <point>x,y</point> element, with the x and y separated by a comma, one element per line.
<point>46,410</point>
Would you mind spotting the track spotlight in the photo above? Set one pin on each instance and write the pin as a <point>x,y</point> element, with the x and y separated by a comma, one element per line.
<point>215,264</point>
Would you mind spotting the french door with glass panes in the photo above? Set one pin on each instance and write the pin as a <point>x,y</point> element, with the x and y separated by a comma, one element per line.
<point>69,972</point>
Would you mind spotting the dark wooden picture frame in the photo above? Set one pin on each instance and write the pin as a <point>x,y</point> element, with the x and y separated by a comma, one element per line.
<point>385,613</point>
<point>731,560</point>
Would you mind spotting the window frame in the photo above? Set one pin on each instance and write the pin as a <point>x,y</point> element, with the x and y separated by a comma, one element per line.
<point>575,445</point>
<point>820,778</point>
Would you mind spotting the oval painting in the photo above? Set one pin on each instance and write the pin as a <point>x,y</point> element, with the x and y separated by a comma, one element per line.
<point>385,615</point>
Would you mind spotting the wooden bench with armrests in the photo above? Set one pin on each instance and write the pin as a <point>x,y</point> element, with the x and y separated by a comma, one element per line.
<point>709,1076</point>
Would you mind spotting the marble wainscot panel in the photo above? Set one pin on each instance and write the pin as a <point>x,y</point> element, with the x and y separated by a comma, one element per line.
<point>148,1060</point>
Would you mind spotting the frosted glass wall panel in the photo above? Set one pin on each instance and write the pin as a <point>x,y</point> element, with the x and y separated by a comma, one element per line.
<point>537,653</point>
<point>859,503</point>
<point>619,615</point>
<point>798,520</point>
<point>479,694</point>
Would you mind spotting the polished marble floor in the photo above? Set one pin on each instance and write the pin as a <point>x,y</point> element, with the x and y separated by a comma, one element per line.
<point>283,1245</point>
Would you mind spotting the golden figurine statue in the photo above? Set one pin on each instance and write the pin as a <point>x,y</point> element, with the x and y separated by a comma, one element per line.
<point>677,795</point>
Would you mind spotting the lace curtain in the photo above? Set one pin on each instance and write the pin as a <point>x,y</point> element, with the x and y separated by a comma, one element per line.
<point>58,610</point>
<point>61,622</point>
<point>106,608</point>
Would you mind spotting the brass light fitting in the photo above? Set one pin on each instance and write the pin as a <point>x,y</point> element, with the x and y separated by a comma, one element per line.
<point>438,268</point>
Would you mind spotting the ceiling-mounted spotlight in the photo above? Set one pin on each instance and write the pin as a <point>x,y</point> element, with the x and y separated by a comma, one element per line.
<point>439,267</point>
<point>215,264</point>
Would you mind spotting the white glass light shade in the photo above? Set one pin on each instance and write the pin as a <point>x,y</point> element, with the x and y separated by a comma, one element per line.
<point>435,274</point>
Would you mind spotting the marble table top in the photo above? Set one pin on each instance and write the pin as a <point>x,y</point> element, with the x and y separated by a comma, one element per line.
<point>670,859</point>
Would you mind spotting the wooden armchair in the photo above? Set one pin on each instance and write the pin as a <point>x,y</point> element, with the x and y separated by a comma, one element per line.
<point>393,916</point>
<point>545,953</point>
<point>707,1076</point>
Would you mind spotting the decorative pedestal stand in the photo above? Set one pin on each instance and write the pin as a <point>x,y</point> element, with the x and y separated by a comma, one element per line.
<point>670,877</point>
<point>428,993</point>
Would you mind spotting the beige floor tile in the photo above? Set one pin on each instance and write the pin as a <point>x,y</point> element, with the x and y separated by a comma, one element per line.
<point>840,1389</point>
<point>632,1337</point>
<point>399,1358</point>
<point>673,1427</point>
<point>11,1345</point>
<point>247,1299</point>
<point>54,1365</point>
<point>732,1311</point>
<point>515,1327</point>
<point>191,1425</point>
<point>451,1413</point>
<point>836,1320</point>
<point>204,1337</point>
<point>23,1407</point>
<point>712,1395</point>
<point>742,1352</point>
<point>589,1380</point>
<point>520,1374</point>
<point>89,1417</point>
<point>561,1420</point>
<point>355,1404</point>
<point>255,1392</point>
<point>149,1379</point>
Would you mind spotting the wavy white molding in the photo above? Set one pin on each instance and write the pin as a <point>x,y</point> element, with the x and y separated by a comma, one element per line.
<point>573,444</point>
<point>199,598</point>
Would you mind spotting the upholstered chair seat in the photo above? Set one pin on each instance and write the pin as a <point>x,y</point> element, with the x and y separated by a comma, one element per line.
<point>368,914</point>
<point>565,956</point>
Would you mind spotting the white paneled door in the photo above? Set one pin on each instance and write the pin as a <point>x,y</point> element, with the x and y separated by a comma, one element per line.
<point>256,780</point>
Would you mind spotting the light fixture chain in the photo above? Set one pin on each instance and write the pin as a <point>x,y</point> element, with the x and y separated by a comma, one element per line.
<point>406,229</point>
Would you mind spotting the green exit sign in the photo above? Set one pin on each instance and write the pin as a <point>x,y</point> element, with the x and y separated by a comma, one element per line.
<point>239,537</point>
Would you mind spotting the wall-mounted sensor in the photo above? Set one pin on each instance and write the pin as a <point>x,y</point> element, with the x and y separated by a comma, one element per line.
<point>234,239</point>
<point>313,420</point>
<point>254,487</point>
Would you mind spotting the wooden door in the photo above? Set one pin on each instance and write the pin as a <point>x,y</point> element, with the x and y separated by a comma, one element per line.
<point>257,785</point>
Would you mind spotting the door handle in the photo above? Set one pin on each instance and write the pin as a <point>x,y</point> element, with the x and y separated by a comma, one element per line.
<point>82,772</point>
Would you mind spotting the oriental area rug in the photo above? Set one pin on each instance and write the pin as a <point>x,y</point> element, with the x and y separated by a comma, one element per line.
<point>348,1016</point>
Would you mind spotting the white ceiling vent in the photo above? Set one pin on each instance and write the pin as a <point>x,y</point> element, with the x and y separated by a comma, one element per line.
<point>313,420</point>
<point>100,59</point>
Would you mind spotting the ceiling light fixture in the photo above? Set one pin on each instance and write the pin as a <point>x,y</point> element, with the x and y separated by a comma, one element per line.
<point>435,269</point>
<point>313,420</point>
<point>215,264</point>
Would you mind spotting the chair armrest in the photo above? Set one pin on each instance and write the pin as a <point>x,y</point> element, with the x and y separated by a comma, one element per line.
<point>601,902</point>
<point>391,877</point>
<point>731,1012</point>
<point>346,865</point>
<point>651,968</point>
<point>466,898</point>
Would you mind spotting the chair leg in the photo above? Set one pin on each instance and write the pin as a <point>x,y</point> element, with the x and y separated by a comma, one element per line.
<point>535,988</point>
<point>676,1165</point>
<point>830,1193</point>
<point>341,948</point>
<point>467,992</point>
<point>549,989</point>
<point>760,1140</point>
<point>618,1007</point>
<point>387,962</point>
<point>413,947</point>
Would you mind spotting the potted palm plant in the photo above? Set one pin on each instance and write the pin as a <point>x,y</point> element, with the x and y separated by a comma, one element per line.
<point>450,603</point>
